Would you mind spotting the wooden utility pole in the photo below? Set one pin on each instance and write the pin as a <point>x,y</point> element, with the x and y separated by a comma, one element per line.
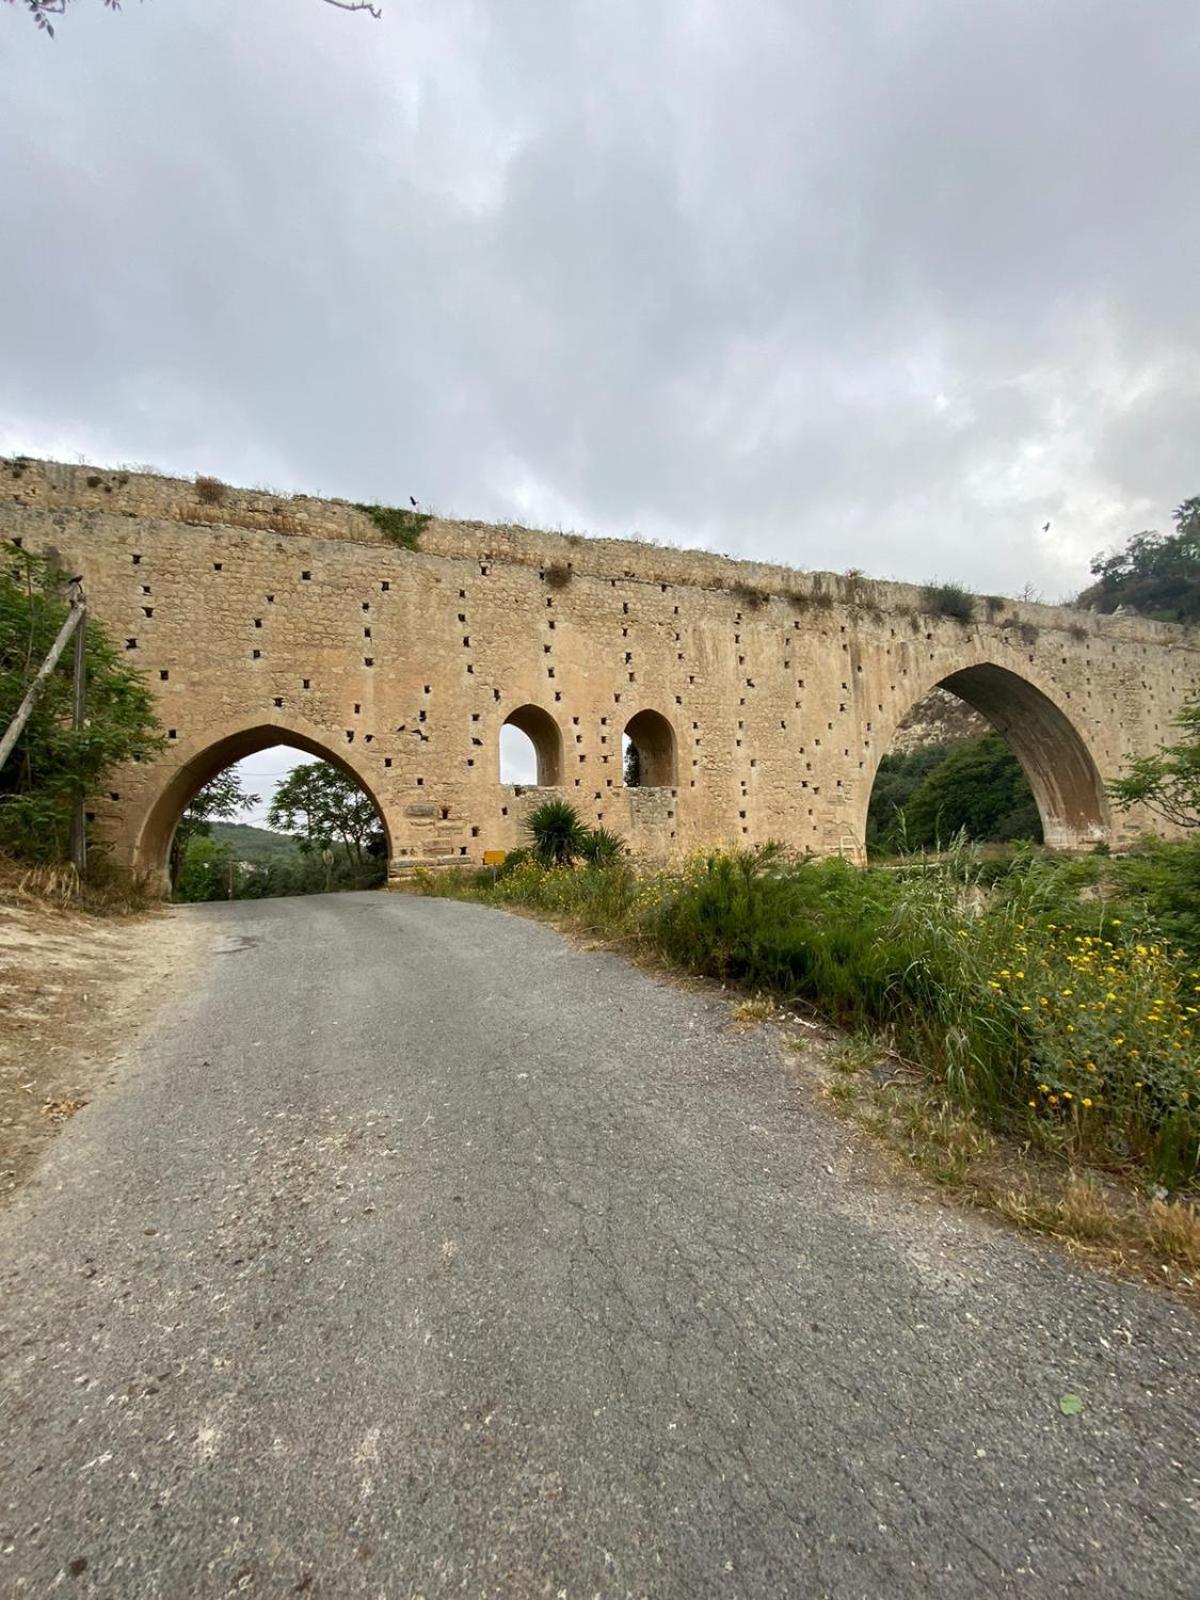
<point>78,718</point>
<point>17,726</point>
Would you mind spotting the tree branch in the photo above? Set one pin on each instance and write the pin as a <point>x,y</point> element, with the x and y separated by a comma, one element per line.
<point>357,5</point>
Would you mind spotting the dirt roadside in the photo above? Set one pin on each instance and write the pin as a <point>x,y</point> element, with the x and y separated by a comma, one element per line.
<point>76,990</point>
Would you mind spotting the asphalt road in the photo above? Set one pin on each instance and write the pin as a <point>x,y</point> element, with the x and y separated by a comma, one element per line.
<point>418,1253</point>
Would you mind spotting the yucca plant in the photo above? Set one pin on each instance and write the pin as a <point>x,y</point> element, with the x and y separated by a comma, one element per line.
<point>559,836</point>
<point>602,847</point>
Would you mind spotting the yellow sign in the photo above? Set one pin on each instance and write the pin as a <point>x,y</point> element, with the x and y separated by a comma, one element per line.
<point>493,858</point>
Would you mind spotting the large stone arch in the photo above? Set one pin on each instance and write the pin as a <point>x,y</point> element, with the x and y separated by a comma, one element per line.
<point>1062,772</point>
<point>202,757</point>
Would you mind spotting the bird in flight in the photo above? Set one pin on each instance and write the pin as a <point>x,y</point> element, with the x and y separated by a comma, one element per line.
<point>1046,527</point>
<point>413,503</point>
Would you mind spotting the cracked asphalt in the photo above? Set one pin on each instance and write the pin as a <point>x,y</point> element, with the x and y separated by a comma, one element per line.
<point>415,1252</point>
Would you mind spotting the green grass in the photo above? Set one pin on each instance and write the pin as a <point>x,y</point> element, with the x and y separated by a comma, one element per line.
<point>400,526</point>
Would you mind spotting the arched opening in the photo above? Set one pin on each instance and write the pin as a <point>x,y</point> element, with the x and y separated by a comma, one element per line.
<point>531,748</point>
<point>987,753</point>
<point>648,752</point>
<point>263,811</point>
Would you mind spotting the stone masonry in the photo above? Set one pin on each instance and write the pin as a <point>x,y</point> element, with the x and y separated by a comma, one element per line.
<point>760,698</point>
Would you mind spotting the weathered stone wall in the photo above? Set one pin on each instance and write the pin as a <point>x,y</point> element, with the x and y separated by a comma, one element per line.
<point>940,718</point>
<point>261,619</point>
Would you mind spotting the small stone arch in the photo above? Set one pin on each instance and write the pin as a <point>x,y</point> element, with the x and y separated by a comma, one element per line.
<point>203,759</point>
<point>653,739</point>
<point>545,735</point>
<point>1065,780</point>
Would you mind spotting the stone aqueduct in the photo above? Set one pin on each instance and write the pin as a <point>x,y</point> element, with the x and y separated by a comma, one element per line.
<point>760,698</point>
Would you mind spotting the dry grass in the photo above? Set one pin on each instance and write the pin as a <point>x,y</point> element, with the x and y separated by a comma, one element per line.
<point>1173,1229</point>
<point>1095,1213</point>
<point>1084,1211</point>
<point>749,1013</point>
<point>209,491</point>
<point>60,888</point>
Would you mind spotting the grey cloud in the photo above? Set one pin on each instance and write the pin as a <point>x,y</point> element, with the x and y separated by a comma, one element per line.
<point>877,285</point>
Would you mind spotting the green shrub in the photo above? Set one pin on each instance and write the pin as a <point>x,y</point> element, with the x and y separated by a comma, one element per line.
<point>949,600</point>
<point>513,860</point>
<point>602,847</point>
<point>400,526</point>
<point>559,836</point>
<point>54,763</point>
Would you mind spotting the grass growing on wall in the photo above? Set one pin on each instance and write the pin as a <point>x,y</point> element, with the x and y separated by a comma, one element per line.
<point>400,526</point>
<point>1066,1016</point>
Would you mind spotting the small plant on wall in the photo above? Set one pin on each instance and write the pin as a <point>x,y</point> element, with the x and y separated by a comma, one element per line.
<point>949,600</point>
<point>209,491</point>
<point>394,523</point>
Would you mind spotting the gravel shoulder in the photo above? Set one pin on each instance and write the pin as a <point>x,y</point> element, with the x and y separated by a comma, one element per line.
<point>414,1251</point>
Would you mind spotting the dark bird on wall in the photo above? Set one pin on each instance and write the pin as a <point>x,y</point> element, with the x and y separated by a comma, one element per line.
<point>1046,528</point>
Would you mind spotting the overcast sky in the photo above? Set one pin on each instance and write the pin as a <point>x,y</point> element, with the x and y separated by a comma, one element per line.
<point>846,284</point>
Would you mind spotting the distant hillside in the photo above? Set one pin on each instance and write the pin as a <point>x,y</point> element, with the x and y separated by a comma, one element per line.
<point>255,844</point>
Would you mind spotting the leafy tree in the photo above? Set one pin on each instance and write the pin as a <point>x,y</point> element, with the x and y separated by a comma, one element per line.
<point>320,807</point>
<point>221,799</point>
<point>633,766</point>
<point>42,10</point>
<point>897,780</point>
<point>206,870</point>
<point>54,763</point>
<point>980,790</point>
<point>1156,574</point>
<point>559,837</point>
<point>1168,782</point>
<point>977,787</point>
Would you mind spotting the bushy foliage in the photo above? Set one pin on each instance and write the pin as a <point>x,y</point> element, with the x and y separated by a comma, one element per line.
<point>320,808</point>
<point>222,798</point>
<point>976,789</point>
<point>217,868</point>
<point>602,847</point>
<point>559,836</point>
<point>1156,574</point>
<point>328,837</point>
<point>53,763</point>
<point>980,790</point>
<point>897,779</point>
<point>949,600</point>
